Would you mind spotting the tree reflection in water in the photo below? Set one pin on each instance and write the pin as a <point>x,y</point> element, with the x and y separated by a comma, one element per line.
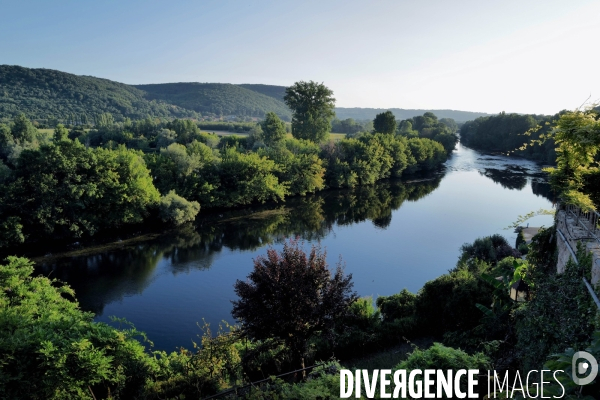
<point>109,276</point>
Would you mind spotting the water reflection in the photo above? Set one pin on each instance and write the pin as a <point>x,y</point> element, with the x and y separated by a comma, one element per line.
<point>507,178</point>
<point>107,277</point>
<point>393,235</point>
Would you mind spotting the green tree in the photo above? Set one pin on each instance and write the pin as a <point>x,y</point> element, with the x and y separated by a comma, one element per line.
<point>290,296</point>
<point>61,133</point>
<point>385,122</point>
<point>312,106</point>
<point>65,190</point>
<point>22,129</point>
<point>273,129</point>
<point>577,138</point>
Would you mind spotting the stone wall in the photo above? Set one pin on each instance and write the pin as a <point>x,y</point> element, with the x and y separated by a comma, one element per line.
<point>570,232</point>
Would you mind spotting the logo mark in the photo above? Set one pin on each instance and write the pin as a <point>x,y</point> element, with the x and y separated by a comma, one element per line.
<point>581,368</point>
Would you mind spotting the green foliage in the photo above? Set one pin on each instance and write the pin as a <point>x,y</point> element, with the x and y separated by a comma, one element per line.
<point>428,126</point>
<point>509,133</point>
<point>298,167</point>
<point>219,99</point>
<point>440,357</point>
<point>372,157</point>
<point>50,349</point>
<point>20,135</point>
<point>367,114</point>
<point>176,210</point>
<point>76,183</point>
<point>397,306</point>
<point>385,123</point>
<point>563,361</point>
<point>64,190</point>
<point>245,178</point>
<point>312,106</point>
<point>351,127</point>
<point>233,141</point>
<point>44,93</point>
<point>273,129</point>
<point>447,304</point>
<point>489,249</point>
<point>577,137</point>
<point>560,314</point>
<point>529,215</point>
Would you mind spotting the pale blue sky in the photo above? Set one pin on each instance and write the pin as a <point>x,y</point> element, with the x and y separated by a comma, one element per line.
<point>513,55</point>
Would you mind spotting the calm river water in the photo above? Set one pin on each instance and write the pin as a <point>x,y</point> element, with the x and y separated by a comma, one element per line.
<point>390,236</point>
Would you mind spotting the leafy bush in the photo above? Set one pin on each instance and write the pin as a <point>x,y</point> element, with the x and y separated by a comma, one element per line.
<point>397,306</point>
<point>440,357</point>
<point>489,249</point>
<point>176,210</point>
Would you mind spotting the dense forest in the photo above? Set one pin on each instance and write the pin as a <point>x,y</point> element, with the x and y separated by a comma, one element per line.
<point>276,92</point>
<point>49,94</point>
<point>220,99</point>
<point>508,133</point>
<point>44,94</point>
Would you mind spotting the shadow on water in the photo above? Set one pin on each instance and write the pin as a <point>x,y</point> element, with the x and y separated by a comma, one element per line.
<point>103,278</point>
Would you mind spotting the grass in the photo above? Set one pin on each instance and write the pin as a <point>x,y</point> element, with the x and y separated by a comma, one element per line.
<point>337,136</point>
<point>226,133</point>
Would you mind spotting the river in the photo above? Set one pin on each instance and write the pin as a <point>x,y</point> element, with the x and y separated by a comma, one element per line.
<point>390,236</point>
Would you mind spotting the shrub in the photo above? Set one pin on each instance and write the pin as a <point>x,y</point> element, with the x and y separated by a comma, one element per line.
<point>176,210</point>
<point>444,358</point>
<point>398,305</point>
<point>490,249</point>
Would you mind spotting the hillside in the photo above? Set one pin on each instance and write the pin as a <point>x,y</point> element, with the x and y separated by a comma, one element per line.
<point>43,93</point>
<point>400,113</point>
<point>219,98</point>
<point>276,92</point>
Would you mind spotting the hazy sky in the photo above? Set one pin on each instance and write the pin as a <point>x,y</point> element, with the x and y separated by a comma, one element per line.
<point>481,55</point>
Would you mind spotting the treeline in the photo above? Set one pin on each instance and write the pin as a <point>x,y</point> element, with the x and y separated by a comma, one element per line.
<point>48,94</point>
<point>74,184</point>
<point>508,133</point>
<point>428,126</point>
<point>237,127</point>
<point>351,127</point>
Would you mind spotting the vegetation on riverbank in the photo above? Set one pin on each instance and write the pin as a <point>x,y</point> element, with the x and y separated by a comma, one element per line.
<point>509,133</point>
<point>72,184</point>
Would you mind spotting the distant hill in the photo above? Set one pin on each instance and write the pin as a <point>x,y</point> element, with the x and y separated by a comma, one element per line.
<point>276,92</point>
<point>42,93</point>
<point>400,113</point>
<point>220,98</point>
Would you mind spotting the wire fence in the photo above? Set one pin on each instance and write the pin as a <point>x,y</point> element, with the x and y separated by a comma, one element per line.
<point>247,389</point>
